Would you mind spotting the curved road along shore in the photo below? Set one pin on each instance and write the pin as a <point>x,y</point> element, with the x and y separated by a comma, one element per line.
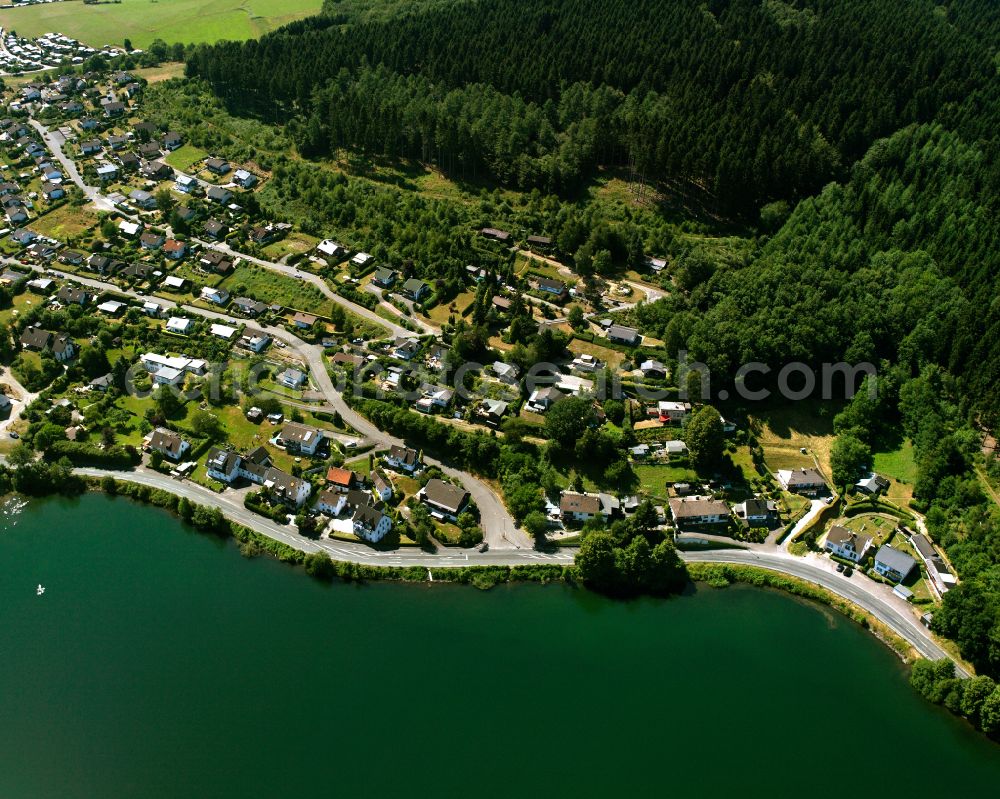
<point>898,621</point>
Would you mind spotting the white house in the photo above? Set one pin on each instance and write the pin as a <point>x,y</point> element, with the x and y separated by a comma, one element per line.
<point>332,503</point>
<point>698,510</point>
<point>801,481</point>
<point>292,378</point>
<point>167,443</point>
<point>295,437</point>
<point>217,296</point>
<point>371,524</point>
<point>847,544</point>
<point>403,459</point>
<point>224,332</point>
<point>672,410</point>
<point>178,324</point>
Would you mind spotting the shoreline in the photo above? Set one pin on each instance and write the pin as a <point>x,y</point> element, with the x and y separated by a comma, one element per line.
<point>253,543</point>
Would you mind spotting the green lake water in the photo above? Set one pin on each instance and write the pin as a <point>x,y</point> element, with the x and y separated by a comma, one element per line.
<point>160,663</point>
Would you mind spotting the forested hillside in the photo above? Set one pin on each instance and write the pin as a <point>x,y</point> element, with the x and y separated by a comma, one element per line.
<point>753,100</point>
<point>859,138</point>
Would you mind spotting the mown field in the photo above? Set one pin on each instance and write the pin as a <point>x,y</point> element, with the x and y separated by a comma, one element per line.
<point>142,21</point>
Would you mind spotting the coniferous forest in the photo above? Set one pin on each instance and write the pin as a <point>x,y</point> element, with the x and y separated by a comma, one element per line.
<point>857,138</point>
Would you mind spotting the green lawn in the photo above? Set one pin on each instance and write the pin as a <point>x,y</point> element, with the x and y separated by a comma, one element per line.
<point>183,157</point>
<point>898,464</point>
<point>142,21</point>
<point>653,478</point>
<point>269,286</point>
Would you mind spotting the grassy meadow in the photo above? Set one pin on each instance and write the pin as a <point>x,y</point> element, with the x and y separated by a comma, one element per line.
<point>142,21</point>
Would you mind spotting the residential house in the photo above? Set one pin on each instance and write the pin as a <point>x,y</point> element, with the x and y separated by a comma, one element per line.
<point>185,183</point>
<point>543,398</point>
<point>330,249</point>
<point>53,191</point>
<point>149,150</point>
<point>248,307</point>
<point>180,325</point>
<point>219,195</point>
<point>371,524</point>
<point>39,340</point>
<point>214,295</point>
<point>539,242</point>
<point>495,234</point>
<point>174,249</point>
<point>331,503</point>
<point>112,307</point>
<point>341,480</point>
<point>579,507</point>
<point>623,335</point>
<point>214,229</point>
<point>362,259</point>
<point>172,140</point>
<point>156,170</point>
<point>847,544</point>
<point>153,308</point>
<point>225,332</point>
<point>151,241</point>
<point>91,146</point>
<point>757,512</point>
<point>414,289</point>
<point>23,236</point>
<point>285,487</point>
<point>405,348</point>
<point>71,257</point>
<point>174,283</point>
<point>672,410</point>
<point>129,229</point>
<point>653,369</point>
<point>291,378</point>
<point>893,564</point>
<point>222,465</point>
<point>106,172</point>
<point>384,277</point>
<point>244,179</point>
<point>73,295</point>
<point>873,484</point>
<point>492,411</point>
<point>505,372</point>
<point>554,287</point>
<point>217,166</point>
<point>42,285</point>
<point>215,261</point>
<point>403,459</point>
<point>143,199</point>
<point>381,486</point>
<point>303,321</point>
<point>445,500</point>
<point>300,438</point>
<point>698,511</point>
<point>801,481</point>
<point>254,340</point>
<point>502,304</point>
<point>167,443</point>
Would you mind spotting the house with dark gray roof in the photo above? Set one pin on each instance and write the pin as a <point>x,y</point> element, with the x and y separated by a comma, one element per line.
<point>444,499</point>
<point>893,564</point>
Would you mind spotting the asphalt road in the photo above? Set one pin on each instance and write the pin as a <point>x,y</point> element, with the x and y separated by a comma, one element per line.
<point>900,620</point>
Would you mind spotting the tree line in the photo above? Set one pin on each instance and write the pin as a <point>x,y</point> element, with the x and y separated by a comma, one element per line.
<point>754,100</point>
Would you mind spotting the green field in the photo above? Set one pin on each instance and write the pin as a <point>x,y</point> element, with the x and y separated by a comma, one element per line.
<point>142,21</point>
<point>899,464</point>
<point>269,286</point>
<point>183,157</point>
